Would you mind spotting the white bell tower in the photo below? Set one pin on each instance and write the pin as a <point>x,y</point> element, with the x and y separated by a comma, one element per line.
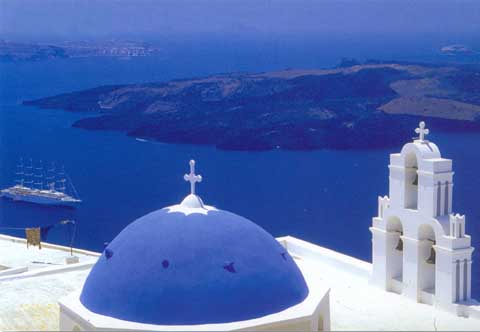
<point>419,248</point>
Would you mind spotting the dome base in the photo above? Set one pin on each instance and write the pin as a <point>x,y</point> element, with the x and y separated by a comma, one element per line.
<point>191,204</point>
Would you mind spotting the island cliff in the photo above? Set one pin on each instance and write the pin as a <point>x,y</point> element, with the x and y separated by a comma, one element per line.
<point>370,105</point>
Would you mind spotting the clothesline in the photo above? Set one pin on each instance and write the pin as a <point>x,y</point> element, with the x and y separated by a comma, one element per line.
<point>63,222</point>
<point>35,235</point>
<point>13,228</point>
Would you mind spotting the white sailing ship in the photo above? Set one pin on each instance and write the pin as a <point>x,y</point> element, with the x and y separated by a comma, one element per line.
<point>41,186</point>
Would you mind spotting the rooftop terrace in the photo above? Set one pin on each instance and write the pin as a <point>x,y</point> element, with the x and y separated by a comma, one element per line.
<point>37,279</point>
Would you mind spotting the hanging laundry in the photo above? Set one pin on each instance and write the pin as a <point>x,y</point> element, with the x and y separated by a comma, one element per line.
<point>33,237</point>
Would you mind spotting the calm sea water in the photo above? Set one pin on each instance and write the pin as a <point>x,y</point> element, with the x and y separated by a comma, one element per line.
<point>327,197</point>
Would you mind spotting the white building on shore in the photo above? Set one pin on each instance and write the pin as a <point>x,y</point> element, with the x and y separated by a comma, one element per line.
<point>194,267</point>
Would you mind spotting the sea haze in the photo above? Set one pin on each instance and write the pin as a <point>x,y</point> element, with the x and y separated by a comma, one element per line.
<point>327,197</point>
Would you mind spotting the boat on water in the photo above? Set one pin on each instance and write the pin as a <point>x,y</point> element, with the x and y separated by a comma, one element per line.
<point>42,186</point>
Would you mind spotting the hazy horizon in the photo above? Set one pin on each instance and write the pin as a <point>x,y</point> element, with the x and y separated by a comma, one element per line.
<point>157,21</point>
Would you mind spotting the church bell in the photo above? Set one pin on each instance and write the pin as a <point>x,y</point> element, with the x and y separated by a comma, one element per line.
<point>399,246</point>
<point>415,181</point>
<point>431,259</point>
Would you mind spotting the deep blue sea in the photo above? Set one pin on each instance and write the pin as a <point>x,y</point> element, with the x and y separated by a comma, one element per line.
<point>327,197</point>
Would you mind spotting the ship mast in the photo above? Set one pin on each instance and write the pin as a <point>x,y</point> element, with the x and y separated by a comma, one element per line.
<point>61,180</point>
<point>39,176</point>
<point>20,173</point>
<point>75,193</point>
<point>28,182</point>
<point>50,178</point>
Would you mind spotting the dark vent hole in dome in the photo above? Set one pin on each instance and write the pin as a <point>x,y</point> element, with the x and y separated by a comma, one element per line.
<point>108,253</point>
<point>284,255</point>
<point>229,267</point>
<point>165,263</point>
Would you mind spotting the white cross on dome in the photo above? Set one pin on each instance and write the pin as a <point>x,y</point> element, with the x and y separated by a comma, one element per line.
<point>192,177</point>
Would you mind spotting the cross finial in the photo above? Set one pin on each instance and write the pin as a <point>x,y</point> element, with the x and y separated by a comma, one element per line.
<point>422,131</point>
<point>192,177</point>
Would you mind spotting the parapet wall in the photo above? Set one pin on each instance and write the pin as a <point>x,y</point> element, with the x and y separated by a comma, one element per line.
<point>304,249</point>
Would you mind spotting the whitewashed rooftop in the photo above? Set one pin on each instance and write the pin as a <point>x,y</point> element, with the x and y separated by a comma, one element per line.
<point>32,281</point>
<point>28,300</point>
<point>356,305</point>
<point>15,254</point>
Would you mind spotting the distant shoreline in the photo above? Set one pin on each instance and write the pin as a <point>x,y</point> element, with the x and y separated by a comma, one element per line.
<point>15,51</point>
<point>353,106</point>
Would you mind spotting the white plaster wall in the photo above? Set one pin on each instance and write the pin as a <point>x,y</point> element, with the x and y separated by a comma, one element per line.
<point>300,325</point>
<point>71,322</point>
<point>67,323</point>
<point>323,316</point>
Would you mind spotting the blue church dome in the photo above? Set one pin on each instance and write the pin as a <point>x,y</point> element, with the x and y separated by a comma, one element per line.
<point>193,264</point>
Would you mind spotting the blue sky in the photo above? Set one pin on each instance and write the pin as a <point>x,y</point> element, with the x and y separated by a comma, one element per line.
<point>156,20</point>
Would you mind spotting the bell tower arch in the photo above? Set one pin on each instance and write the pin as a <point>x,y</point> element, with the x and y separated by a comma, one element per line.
<point>419,248</point>
<point>411,181</point>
